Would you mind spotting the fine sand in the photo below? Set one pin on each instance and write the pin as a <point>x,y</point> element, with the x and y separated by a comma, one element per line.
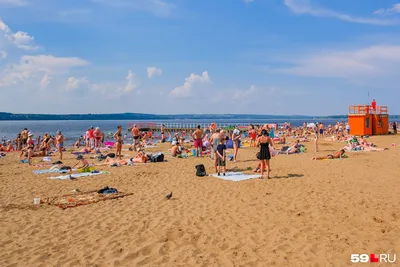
<point>311,213</point>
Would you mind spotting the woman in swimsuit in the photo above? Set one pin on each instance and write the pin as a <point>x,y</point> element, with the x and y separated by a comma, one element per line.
<point>163,137</point>
<point>118,137</point>
<point>30,146</point>
<point>253,136</point>
<point>265,154</point>
<point>337,155</point>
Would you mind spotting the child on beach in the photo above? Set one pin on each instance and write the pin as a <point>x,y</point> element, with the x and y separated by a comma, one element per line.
<point>85,166</point>
<point>221,153</point>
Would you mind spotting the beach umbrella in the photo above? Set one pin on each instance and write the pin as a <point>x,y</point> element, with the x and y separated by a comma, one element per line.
<point>311,125</point>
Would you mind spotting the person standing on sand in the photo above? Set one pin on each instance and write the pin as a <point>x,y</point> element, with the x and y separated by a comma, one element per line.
<point>18,142</point>
<point>264,141</point>
<point>135,136</point>
<point>198,140</point>
<point>214,141</point>
<point>118,137</point>
<point>60,143</point>
<point>221,157</point>
<point>24,136</point>
<point>91,137</point>
<point>316,142</point>
<point>235,140</point>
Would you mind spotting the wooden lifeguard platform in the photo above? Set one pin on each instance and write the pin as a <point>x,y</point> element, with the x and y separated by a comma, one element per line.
<point>366,120</point>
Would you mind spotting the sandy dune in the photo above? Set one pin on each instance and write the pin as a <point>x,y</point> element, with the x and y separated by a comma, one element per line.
<point>311,213</point>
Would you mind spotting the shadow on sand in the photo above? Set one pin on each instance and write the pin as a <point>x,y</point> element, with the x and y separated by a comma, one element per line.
<point>289,175</point>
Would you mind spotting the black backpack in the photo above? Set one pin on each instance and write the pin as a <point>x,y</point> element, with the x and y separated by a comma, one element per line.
<point>200,170</point>
<point>159,157</point>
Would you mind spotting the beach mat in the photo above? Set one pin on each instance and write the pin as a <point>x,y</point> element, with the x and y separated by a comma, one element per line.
<point>76,175</point>
<point>80,199</point>
<point>236,176</point>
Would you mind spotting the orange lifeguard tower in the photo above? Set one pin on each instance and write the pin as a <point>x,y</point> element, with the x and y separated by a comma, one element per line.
<point>366,120</point>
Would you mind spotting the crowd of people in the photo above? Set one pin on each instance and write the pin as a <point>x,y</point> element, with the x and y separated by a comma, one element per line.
<point>211,141</point>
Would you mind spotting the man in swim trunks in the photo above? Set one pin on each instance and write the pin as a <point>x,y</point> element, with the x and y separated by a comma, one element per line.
<point>60,143</point>
<point>198,140</point>
<point>135,135</point>
<point>24,136</point>
<point>91,137</point>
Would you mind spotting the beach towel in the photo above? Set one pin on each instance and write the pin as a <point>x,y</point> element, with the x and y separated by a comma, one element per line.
<point>76,175</point>
<point>80,153</point>
<point>80,199</point>
<point>236,176</point>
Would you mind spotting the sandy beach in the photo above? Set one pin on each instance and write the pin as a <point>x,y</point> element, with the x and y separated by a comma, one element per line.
<point>311,213</point>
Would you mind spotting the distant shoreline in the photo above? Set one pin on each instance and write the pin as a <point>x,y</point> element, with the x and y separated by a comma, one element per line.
<point>142,117</point>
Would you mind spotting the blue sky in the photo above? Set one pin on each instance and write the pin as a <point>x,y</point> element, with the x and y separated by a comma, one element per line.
<point>311,57</point>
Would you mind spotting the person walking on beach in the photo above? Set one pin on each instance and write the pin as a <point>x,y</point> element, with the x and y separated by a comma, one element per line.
<point>264,141</point>
<point>316,137</point>
<point>198,140</point>
<point>118,137</point>
<point>235,140</point>
<point>394,127</point>
<point>135,136</point>
<point>60,143</point>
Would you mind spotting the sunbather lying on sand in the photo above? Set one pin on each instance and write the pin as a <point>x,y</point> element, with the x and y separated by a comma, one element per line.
<point>336,155</point>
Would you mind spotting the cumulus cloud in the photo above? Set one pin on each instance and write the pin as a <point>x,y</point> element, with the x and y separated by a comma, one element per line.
<point>153,71</point>
<point>186,89</point>
<point>395,9</point>
<point>76,83</point>
<point>303,7</point>
<point>13,2</point>
<point>241,95</point>
<point>20,39</point>
<point>29,66</point>
<point>132,82</point>
<point>366,62</point>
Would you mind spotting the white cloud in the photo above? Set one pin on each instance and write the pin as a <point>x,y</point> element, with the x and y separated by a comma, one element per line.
<point>13,2</point>
<point>303,7</point>
<point>30,66</point>
<point>157,7</point>
<point>153,71</point>
<point>132,82</point>
<point>395,9</point>
<point>248,1</point>
<point>366,62</point>
<point>241,95</point>
<point>45,81</point>
<point>20,39</point>
<point>3,54</point>
<point>76,83</point>
<point>186,88</point>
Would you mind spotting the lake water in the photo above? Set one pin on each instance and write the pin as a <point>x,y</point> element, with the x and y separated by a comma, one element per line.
<point>73,129</point>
